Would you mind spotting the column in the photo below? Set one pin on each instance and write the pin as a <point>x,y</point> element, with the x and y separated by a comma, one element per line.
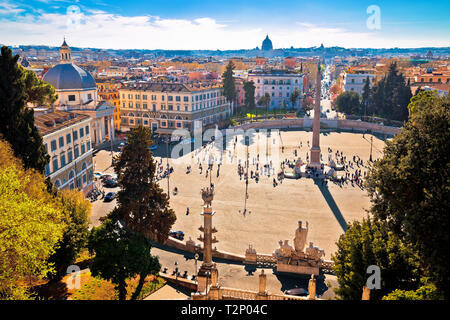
<point>113,134</point>
<point>108,123</point>
<point>102,126</point>
<point>207,255</point>
<point>315,149</point>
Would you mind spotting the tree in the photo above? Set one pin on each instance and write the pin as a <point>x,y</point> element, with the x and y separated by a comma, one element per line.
<point>294,97</point>
<point>371,243</point>
<point>121,254</point>
<point>249,88</point>
<point>390,96</point>
<point>348,103</point>
<point>409,186</point>
<point>17,121</point>
<point>365,95</point>
<point>77,211</point>
<point>31,224</point>
<point>38,92</point>
<point>265,101</point>
<point>229,86</point>
<point>141,203</point>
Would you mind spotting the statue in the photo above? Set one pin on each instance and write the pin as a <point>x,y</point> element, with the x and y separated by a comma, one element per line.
<point>207,196</point>
<point>300,237</point>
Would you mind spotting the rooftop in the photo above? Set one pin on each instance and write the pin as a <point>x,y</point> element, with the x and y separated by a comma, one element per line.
<point>171,86</point>
<point>53,121</point>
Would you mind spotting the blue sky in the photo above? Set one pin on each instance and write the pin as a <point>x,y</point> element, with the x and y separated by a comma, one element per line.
<point>229,24</point>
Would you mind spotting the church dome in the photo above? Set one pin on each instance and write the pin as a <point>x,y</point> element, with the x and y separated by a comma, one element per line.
<point>267,44</point>
<point>67,76</point>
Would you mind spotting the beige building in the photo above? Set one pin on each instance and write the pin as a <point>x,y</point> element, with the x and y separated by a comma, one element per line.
<point>67,137</point>
<point>165,107</point>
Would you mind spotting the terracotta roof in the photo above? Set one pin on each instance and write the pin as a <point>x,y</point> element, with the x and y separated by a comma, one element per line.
<point>56,120</point>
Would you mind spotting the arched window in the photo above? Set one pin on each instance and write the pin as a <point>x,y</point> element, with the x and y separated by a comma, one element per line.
<point>145,115</point>
<point>163,116</point>
<point>83,167</point>
<point>131,114</point>
<point>58,183</point>
<point>71,175</point>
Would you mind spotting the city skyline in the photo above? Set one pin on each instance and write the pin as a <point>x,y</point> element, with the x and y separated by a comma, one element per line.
<point>220,26</point>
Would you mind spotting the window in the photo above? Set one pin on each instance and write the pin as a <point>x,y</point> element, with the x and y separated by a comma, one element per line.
<point>153,97</point>
<point>72,97</point>
<point>186,107</point>
<point>81,132</point>
<point>186,99</point>
<point>55,164</point>
<point>53,145</point>
<point>138,97</point>
<point>170,107</point>
<point>83,149</point>
<point>177,98</point>
<point>87,130</point>
<point>69,155</point>
<point>61,142</point>
<point>154,107</point>
<point>144,105</point>
<point>144,97</point>
<point>47,169</point>
<point>89,96</point>
<point>146,122</point>
<point>178,107</point>
<point>63,160</point>
<point>75,135</point>
<point>88,146</point>
<point>169,98</point>
<point>84,178</point>
<point>77,152</point>
<point>138,105</point>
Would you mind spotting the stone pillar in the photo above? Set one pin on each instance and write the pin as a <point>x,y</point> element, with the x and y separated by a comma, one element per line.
<point>108,123</point>
<point>262,283</point>
<point>366,293</point>
<point>312,288</point>
<point>102,125</point>
<point>214,277</point>
<point>262,293</point>
<point>207,246</point>
<point>315,149</point>
<point>99,131</point>
<point>113,134</point>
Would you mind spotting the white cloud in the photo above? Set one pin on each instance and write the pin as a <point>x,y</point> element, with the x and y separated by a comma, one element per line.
<point>9,8</point>
<point>96,28</point>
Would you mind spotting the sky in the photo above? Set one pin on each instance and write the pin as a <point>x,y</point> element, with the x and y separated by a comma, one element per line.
<point>225,25</point>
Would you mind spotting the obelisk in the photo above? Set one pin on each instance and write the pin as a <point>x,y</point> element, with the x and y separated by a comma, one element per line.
<point>315,149</point>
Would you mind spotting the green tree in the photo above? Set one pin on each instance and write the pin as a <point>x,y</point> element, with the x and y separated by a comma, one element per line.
<point>371,243</point>
<point>365,96</point>
<point>38,92</point>
<point>265,101</point>
<point>249,88</point>
<point>409,186</point>
<point>17,121</point>
<point>141,203</point>
<point>77,211</point>
<point>121,254</point>
<point>31,224</point>
<point>390,96</point>
<point>427,291</point>
<point>348,103</point>
<point>229,85</point>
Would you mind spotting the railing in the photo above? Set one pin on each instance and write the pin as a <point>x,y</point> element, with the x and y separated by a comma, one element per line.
<point>265,259</point>
<point>238,294</point>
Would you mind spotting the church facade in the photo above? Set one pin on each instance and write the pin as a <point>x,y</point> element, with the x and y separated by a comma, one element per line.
<point>77,92</point>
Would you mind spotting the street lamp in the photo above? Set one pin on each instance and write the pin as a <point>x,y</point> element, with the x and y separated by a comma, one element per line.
<point>176,274</point>
<point>371,139</point>
<point>196,256</point>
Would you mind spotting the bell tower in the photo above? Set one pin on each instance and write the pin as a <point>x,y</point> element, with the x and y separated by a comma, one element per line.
<point>65,53</point>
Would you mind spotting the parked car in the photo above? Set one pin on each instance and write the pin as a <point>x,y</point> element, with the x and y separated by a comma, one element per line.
<point>297,292</point>
<point>177,234</point>
<point>110,183</point>
<point>109,197</point>
<point>98,174</point>
<point>153,147</point>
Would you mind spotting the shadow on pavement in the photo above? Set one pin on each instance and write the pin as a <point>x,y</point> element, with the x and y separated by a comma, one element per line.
<point>331,203</point>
